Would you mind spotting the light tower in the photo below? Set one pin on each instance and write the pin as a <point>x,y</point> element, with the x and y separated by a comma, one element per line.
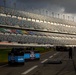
<point>4,9</point>
<point>68,17</point>
<point>63,16</point>
<point>73,19</point>
<point>58,15</point>
<point>46,13</point>
<point>52,14</point>
<point>14,5</point>
<point>4,3</point>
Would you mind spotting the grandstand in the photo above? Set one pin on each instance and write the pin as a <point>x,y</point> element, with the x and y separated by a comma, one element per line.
<point>41,29</point>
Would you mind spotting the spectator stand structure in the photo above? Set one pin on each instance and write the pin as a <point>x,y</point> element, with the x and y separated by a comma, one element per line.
<point>24,28</point>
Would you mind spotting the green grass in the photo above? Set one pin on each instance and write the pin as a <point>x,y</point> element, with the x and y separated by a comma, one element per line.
<point>4,55</point>
<point>42,50</point>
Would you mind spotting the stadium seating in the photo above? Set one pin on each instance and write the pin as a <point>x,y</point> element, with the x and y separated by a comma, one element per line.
<point>36,22</point>
<point>2,20</point>
<point>1,9</point>
<point>33,39</point>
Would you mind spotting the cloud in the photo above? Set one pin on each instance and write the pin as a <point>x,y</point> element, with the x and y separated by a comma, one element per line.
<point>67,6</point>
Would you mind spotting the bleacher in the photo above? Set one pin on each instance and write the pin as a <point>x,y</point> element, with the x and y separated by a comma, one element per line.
<point>11,17</point>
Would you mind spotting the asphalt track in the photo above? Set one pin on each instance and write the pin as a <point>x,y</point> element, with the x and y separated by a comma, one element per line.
<point>42,67</point>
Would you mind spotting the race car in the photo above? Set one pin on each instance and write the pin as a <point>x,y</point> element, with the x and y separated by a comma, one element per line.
<point>18,55</point>
<point>31,55</point>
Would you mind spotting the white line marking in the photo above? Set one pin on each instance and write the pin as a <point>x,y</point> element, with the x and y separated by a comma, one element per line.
<point>44,60</point>
<point>3,65</point>
<point>51,56</point>
<point>56,53</point>
<point>30,69</point>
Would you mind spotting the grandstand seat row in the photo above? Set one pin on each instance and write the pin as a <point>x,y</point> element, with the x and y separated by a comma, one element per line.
<point>32,15</point>
<point>32,39</point>
<point>29,24</point>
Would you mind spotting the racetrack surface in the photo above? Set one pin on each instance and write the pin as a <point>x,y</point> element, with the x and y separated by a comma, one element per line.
<point>42,67</point>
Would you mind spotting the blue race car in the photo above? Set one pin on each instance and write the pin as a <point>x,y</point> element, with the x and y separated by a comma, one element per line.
<point>31,55</point>
<point>18,55</point>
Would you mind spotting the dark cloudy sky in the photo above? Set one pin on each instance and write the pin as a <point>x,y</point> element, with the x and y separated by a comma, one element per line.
<point>59,6</point>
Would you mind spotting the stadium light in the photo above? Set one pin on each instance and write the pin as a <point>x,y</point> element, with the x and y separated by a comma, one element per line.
<point>28,19</point>
<point>68,17</point>
<point>24,18</point>
<point>43,12</point>
<point>37,20</point>
<point>41,21</point>
<point>48,22</point>
<point>52,14</point>
<point>73,19</point>
<point>33,20</point>
<point>4,3</point>
<point>58,15</point>
<point>45,22</point>
<point>52,23</point>
<point>46,12</point>
<point>63,16</point>
<point>14,5</point>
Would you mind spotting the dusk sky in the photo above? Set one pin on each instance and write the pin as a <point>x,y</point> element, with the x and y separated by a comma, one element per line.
<point>58,6</point>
